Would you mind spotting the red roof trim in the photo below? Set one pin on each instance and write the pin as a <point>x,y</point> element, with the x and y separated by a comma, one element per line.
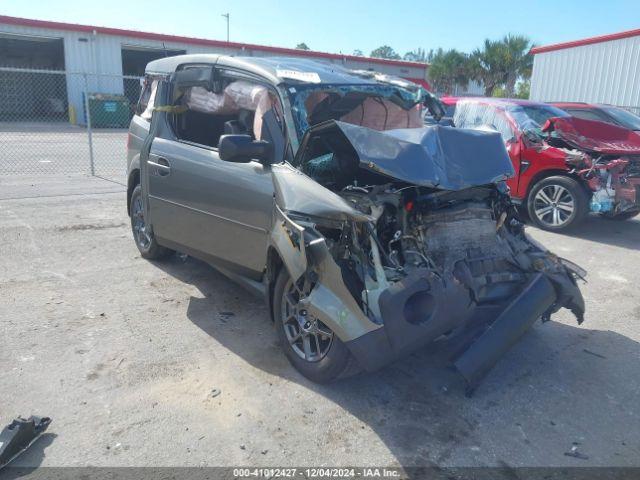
<point>28,22</point>
<point>586,41</point>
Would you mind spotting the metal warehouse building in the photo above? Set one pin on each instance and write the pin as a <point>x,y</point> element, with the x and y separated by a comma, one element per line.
<point>71,59</point>
<point>603,69</point>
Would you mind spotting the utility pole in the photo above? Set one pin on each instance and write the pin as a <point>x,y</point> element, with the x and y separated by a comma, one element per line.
<point>226,15</point>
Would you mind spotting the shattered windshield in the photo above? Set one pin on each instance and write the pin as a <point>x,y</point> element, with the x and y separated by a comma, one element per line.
<point>379,107</point>
<point>533,117</point>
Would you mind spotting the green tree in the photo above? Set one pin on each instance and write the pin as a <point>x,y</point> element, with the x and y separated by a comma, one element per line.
<point>499,92</point>
<point>489,65</point>
<point>431,54</point>
<point>523,89</point>
<point>518,60</point>
<point>358,53</point>
<point>417,55</point>
<point>385,51</point>
<point>448,69</point>
<point>302,46</point>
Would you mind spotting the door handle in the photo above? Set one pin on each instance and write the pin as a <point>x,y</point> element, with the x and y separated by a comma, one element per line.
<point>160,165</point>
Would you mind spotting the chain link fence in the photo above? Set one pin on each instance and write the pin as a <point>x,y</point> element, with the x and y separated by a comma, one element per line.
<point>57,122</point>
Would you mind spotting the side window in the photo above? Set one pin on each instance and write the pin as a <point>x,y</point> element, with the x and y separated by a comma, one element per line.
<point>587,115</point>
<point>477,115</point>
<point>204,116</point>
<point>147,98</point>
<point>502,125</point>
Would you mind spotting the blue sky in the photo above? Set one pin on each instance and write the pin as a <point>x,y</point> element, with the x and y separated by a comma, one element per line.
<point>342,26</point>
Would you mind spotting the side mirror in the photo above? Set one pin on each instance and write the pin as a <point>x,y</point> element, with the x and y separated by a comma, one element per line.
<point>243,149</point>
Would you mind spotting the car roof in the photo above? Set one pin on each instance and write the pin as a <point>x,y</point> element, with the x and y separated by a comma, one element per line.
<point>501,101</point>
<point>278,69</point>
<point>573,105</point>
<point>582,105</point>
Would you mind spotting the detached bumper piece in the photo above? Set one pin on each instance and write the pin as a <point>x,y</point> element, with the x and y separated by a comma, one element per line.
<point>532,302</point>
<point>19,435</point>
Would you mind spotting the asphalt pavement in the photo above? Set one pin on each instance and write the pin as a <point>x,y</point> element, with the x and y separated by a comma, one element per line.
<point>170,364</point>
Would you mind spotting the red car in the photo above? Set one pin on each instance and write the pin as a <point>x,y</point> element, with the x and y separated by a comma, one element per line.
<point>565,166</point>
<point>449,105</point>
<point>601,113</point>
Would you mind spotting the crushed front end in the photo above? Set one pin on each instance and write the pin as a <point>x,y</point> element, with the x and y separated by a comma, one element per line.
<point>605,156</point>
<point>392,265</point>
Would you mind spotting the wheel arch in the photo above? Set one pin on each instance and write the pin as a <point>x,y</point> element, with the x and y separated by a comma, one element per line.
<point>273,267</point>
<point>553,173</point>
<point>132,181</point>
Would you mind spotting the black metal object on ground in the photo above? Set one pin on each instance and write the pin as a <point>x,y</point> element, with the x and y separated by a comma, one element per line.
<point>16,437</point>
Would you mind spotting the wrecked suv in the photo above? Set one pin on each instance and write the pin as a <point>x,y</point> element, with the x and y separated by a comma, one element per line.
<point>368,234</point>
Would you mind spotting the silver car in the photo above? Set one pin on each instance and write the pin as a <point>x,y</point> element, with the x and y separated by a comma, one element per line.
<point>369,234</point>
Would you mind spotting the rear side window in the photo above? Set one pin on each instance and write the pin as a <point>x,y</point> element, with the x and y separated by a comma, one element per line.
<point>147,98</point>
<point>588,115</point>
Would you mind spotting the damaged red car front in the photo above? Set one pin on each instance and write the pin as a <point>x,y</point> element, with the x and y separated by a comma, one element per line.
<point>565,167</point>
<point>609,162</point>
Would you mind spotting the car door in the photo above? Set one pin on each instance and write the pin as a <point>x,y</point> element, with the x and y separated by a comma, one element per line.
<point>218,211</point>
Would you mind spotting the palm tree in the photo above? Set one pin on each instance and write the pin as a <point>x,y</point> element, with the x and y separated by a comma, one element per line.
<point>489,65</point>
<point>448,69</point>
<point>519,61</point>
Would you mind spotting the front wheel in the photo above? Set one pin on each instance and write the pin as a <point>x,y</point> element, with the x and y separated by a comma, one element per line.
<point>557,203</point>
<point>310,345</point>
<point>142,231</point>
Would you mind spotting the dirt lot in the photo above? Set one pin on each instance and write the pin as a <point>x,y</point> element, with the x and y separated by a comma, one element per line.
<point>123,354</point>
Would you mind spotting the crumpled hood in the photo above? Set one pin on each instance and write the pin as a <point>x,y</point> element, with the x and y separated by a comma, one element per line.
<point>593,136</point>
<point>436,156</point>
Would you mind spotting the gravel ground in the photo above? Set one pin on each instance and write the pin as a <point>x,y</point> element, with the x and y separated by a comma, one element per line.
<point>54,149</point>
<point>123,354</point>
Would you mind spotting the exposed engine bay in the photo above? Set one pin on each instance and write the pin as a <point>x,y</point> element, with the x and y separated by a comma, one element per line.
<point>608,161</point>
<point>392,264</point>
<point>470,237</point>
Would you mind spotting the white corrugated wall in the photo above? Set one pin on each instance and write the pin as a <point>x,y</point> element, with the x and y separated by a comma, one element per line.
<point>102,54</point>
<point>607,72</point>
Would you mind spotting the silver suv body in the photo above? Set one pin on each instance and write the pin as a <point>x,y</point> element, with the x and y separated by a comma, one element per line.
<point>368,234</point>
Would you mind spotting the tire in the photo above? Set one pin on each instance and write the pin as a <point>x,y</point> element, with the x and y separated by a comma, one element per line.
<point>142,232</point>
<point>621,216</point>
<point>557,203</point>
<point>329,360</point>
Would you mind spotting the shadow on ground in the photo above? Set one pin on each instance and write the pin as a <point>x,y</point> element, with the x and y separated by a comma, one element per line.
<point>618,233</point>
<point>33,456</point>
<point>417,406</point>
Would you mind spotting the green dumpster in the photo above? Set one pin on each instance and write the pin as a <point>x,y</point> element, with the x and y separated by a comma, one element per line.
<point>109,111</point>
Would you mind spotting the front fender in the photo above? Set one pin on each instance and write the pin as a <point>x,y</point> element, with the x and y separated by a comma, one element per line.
<point>304,252</point>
